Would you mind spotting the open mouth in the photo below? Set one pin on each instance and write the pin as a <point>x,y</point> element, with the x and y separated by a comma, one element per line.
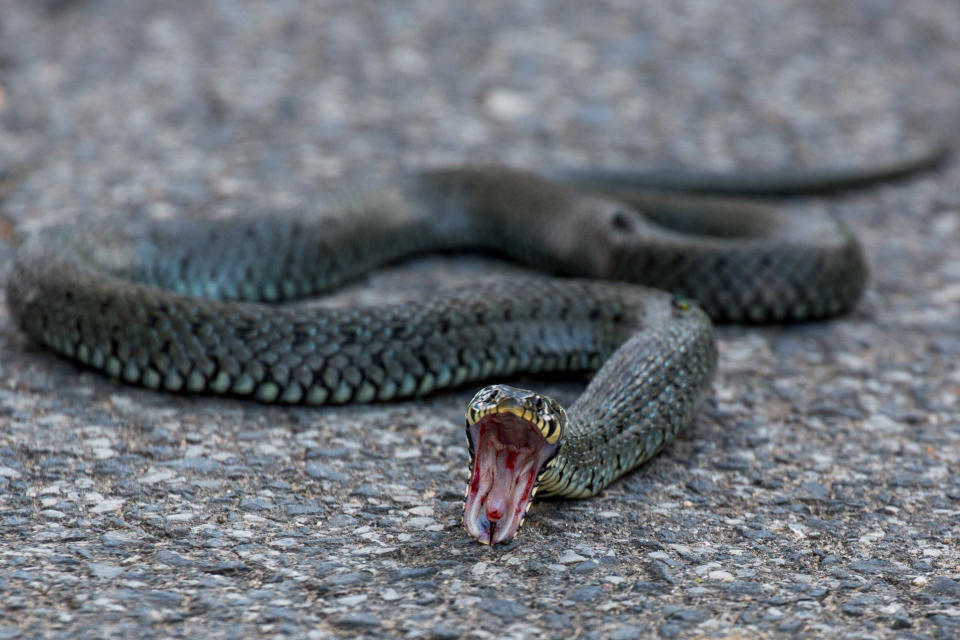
<point>509,453</point>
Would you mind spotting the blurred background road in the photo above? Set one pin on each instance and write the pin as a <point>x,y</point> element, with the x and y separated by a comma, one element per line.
<point>816,496</point>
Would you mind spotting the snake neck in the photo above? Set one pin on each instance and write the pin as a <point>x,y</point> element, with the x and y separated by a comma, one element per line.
<point>648,389</point>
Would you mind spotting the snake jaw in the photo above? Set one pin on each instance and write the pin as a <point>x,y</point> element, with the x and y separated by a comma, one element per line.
<point>513,434</point>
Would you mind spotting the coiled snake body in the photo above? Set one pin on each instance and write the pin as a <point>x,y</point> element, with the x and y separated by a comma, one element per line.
<point>182,307</point>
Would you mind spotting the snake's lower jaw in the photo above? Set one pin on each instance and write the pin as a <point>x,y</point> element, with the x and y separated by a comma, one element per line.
<point>509,454</point>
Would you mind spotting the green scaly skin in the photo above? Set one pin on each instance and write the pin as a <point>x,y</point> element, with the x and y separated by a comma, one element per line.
<point>180,306</point>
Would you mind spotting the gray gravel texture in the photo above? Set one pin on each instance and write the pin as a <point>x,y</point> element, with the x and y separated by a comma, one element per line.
<point>818,493</point>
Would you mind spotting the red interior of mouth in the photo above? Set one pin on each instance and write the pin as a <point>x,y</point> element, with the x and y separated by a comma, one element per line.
<point>509,454</point>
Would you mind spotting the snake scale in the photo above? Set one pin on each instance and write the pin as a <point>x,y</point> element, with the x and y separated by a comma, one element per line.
<point>184,306</point>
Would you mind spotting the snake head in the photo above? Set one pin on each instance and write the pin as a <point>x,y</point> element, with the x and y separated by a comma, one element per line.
<point>513,434</point>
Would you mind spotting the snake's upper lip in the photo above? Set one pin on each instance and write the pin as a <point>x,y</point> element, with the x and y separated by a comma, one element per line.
<point>509,453</point>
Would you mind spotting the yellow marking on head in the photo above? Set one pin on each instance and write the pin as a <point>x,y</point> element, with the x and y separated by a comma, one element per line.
<point>550,432</point>
<point>551,428</point>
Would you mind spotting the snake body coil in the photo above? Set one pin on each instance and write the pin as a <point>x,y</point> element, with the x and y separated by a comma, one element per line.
<point>180,306</point>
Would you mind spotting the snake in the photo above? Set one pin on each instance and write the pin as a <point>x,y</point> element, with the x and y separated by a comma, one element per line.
<point>639,271</point>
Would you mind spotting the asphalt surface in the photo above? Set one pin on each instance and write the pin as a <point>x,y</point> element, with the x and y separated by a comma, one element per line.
<point>818,493</point>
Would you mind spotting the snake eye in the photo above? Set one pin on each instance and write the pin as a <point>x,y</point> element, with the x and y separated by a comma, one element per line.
<point>538,403</point>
